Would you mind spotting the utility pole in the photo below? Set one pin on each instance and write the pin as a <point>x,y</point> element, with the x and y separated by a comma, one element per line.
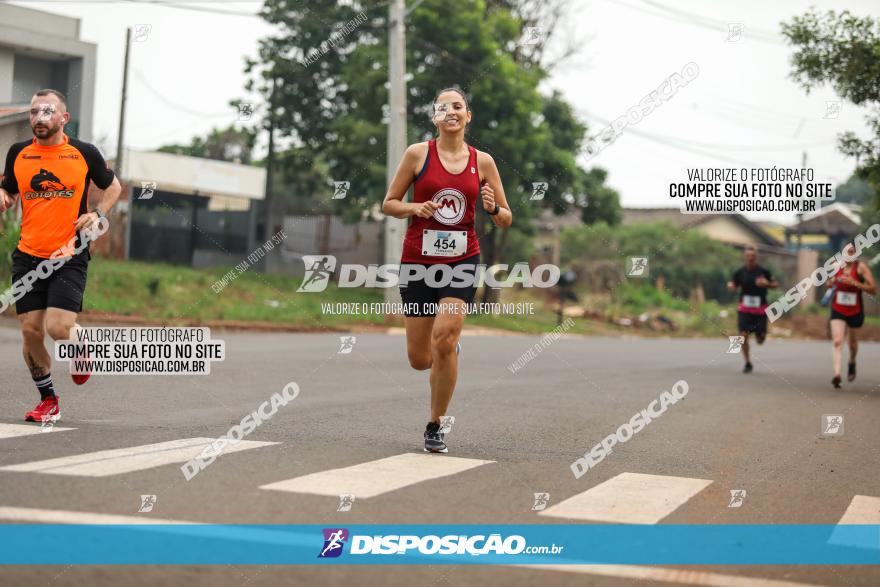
<point>800,216</point>
<point>395,227</point>
<point>270,161</point>
<point>120,143</point>
<point>270,172</point>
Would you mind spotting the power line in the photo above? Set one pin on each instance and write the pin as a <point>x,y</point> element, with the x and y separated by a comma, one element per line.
<point>172,105</point>
<point>694,19</point>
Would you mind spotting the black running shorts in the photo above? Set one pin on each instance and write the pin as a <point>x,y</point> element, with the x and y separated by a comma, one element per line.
<point>62,288</point>
<point>420,299</point>
<point>752,323</point>
<point>851,321</point>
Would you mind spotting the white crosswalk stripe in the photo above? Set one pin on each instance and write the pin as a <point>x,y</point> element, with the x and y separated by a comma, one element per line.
<point>126,460</point>
<point>863,509</point>
<point>17,430</point>
<point>375,478</point>
<point>629,498</point>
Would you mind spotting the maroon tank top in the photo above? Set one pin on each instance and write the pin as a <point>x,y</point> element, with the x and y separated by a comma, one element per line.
<point>850,303</point>
<point>457,195</point>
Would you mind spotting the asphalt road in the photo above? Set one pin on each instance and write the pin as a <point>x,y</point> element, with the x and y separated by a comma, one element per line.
<point>759,432</point>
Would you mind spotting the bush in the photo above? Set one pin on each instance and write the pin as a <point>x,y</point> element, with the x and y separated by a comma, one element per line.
<point>10,231</point>
<point>684,258</point>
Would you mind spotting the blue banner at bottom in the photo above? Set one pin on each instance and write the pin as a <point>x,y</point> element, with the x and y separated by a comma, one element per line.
<point>213,544</point>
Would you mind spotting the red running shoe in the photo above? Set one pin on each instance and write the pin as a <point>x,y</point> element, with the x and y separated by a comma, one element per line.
<point>81,378</point>
<point>46,411</point>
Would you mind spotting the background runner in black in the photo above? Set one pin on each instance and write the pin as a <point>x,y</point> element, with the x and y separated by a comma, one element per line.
<point>752,281</point>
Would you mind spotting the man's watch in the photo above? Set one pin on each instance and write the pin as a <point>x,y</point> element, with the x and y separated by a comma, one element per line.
<point>496,210</point>
<point>99,213</point>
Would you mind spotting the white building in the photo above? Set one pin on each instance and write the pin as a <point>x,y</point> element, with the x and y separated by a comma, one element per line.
<point>43,50</point>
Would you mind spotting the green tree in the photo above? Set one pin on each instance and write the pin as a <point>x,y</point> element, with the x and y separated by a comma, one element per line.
<point>684,258</point>
<point>331,98</point>
<point>843,50</point>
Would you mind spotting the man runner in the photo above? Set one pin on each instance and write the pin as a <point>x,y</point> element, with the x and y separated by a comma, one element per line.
<point>53,173</point>
<point>752,281</point>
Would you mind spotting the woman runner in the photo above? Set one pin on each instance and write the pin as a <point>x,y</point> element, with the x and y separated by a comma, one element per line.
<point>848,311</point>
<point>448,178</point>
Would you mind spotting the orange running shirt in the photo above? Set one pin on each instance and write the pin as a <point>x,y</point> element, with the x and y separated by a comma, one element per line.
<point>54,185</point>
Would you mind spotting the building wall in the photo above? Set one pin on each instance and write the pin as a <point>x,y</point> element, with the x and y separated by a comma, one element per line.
<point>28,63</point>
<point>13,132</point>
<point>325,235</point>
<point>725,229</point>
<point>7,66</point>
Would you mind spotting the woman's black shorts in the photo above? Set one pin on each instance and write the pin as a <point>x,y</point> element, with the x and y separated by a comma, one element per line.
<point>420,299</point>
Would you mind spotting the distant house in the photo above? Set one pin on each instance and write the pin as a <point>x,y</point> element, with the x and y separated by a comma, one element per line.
<point>186,210</point>
<point>733,229</point>
<point>828,228</point>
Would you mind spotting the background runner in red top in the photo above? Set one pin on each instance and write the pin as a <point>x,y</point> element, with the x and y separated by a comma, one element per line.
<point>457,196</point>
<point>847,298</point>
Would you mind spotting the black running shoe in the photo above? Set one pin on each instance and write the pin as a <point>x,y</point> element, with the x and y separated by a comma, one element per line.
<point>747,368</point>
<point>433,438</point>
<point>851,372</point>
<point>836,382</point>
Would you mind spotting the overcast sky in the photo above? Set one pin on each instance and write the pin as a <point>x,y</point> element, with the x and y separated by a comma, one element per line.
<point>742,109</point>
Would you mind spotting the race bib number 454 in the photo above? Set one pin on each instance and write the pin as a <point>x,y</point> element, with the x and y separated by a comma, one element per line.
<point>441,243</point>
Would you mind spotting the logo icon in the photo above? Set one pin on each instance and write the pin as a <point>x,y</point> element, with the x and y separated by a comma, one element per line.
<point>737,497</point>
<point>147,503</point>
<point>345,502</point>
<point>147,189</point>
<point>340,189</point>
<point>637,267</point>
<point>532,35</point>
<point>319,268</point>
<point>346,345</point>
<point>245,111</point>
<point>45,181</point>
<point>334,540</point>
<point>832,424</point>
<point>452,206</point>
<point>46,184</point>
<point>539,189</point>
<point>446,423</point>
<point>541,501</point>
<point>736,343</point>
<point>47,422</point>
<point>735,32</point>
<point>832,109</point>
<point>141,32</point>
<point>440,110</point>
<point>46,112</point>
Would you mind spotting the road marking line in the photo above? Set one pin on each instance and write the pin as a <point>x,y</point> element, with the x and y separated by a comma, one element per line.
<point>377,477</point>
<point>126,460</point>
<point>629,498</point>
<point>863,509</point>
<point>680,576</point>
<point>40,516</point>
<point>16,430</point>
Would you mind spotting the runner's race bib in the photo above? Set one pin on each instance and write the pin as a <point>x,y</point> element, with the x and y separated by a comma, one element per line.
<point>441,243</point>
<point>846,298</point>
<point>752,301</point>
